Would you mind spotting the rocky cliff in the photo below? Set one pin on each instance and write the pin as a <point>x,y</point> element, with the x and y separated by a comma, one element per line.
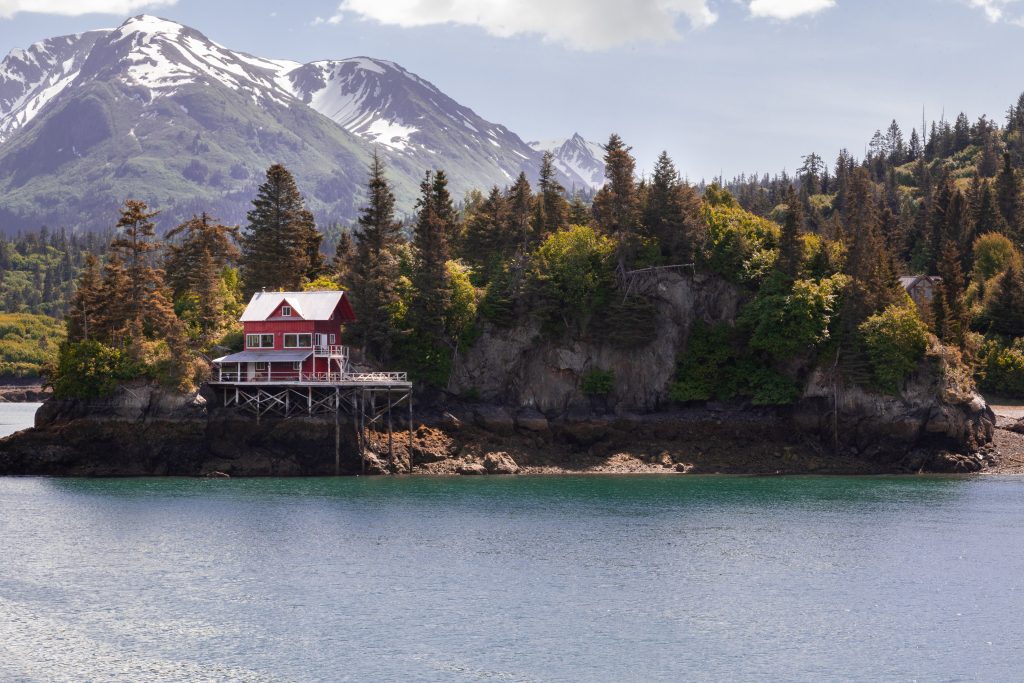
<point>533,416</point>
<point>938,421</point>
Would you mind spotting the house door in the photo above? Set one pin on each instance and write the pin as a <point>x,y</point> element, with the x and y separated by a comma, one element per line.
<point>321,340</point>
<point>251,371</point>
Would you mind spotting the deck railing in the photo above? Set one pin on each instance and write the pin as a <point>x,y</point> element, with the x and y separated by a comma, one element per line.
<point>232,376</point>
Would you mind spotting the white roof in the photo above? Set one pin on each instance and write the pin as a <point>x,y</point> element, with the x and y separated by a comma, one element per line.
<point>306,305</point>
<point>264,357</point>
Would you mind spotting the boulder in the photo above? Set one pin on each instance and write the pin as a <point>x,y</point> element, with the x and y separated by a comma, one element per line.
<point>500,463</point>
<point>532,421</point>
<point>494,419</point>
<point>471,468</point>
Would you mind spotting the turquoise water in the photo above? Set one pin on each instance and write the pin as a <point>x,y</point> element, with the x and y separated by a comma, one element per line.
<point>512,579</point>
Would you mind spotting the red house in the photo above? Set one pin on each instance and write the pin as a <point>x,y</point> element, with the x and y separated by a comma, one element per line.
<point>289,337</point>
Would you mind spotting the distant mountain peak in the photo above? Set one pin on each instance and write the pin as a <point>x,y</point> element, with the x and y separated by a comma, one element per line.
<point>576,156</point>
<point>155,109</point>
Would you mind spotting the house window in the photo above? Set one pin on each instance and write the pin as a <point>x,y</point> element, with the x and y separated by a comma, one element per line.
<point>259,341</point>
<point>261,367</point>
<point>298,341</point>
<point>286,311</point>
<point>297,365</point>
<point>332,340</point>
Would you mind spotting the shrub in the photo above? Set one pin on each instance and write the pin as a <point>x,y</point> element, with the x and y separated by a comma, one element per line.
<point>993,254</point>
<point>598,383</point>
<point>787,322</point>
<point>741,246</point>
<point>895,341</point>
<point>1001,368</point>
<point>573,274</point>
<point>89,369</point>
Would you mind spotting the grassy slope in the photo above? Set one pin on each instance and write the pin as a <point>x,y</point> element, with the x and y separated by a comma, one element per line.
<point>27,342</point>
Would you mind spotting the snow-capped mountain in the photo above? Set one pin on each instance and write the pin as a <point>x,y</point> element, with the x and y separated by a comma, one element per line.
<point>156,110</point>
<point>411,118</point>
<point>577,157</point>
<point>30,78</point>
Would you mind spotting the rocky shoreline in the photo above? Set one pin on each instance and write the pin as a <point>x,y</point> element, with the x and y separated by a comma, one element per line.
<point>146,431</point>
<point>24,393</point>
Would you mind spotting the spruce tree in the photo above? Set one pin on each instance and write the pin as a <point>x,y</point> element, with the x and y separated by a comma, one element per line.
<point>201,237</point>
<point>873,284</point>
<point>1008,196</point>
<point>520,214</point>
<point>616,207</point>
<point>86,303</point>
<point>374,271</point>
<point>1005,312</point>
<point>435,222</point>
<point>344,257</point>
<point>671,213</point>
<point>790,244</point>
<point>487,246</point>
<point>280,245</point>
<point>553,208</point>
<point>950,313</point>
<point>138,304</point>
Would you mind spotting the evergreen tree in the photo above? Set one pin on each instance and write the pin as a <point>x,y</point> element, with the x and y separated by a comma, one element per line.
<point>1008,195</point>
<point>201,237</point>
<point>579,212</point>
<point>790,244</point>
<point>435,220</point>
<point>138,306</point>
<point>553,208</point>
<point>374,270</point>
<point>948,309</point>
<point>86,303</point>
<point>671,213</point>
<point>487,246</point>
<point>873,284</point>
<point>280,245</point>
<point>520,214</point>
<point>985,211</point>
<point>1005,312</point>
<point>616,205</point>
<point>344,258</point>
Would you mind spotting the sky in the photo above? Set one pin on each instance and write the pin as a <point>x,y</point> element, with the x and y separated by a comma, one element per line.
<point>725,86</point>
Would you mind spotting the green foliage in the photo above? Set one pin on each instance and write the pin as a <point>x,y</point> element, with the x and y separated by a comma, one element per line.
<point>700,371</point>
<point>1001,368</point>
<point>741,247</point>
<point>598,383</point>
<point>717,365</point>
<point>895,341</point>
<point>572,273</point>
<point>28,343</point>
<point>89,369</point>
<point>786,322</point>
<point>993,254</point>
<point>460,317</point>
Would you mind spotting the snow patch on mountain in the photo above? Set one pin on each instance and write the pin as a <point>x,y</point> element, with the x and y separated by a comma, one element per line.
<point>576,156</point>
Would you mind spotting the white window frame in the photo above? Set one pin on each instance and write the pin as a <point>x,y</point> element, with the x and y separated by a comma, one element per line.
<point>332,340</point>
<point>259,338</point>
<point>296,338</point>
<point>286,311</point>
<point>297,365</point>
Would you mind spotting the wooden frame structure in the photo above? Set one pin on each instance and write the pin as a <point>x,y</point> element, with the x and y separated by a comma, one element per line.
<point>368,398</point>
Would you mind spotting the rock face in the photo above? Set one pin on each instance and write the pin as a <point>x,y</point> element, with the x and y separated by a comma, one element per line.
<point>518,367</point>
<point>533,384</point>
<point>934,423</point>
<point>144,430</point>
<point>535,418</point>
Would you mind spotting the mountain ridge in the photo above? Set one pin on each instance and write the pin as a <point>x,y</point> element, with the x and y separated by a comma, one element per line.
<point>156,110</point>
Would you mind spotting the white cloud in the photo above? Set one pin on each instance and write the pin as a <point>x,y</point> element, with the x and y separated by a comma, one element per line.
<point>997,10</point>
<point>8,8</point>
<point>788,9</point>
<point>578,24</point>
